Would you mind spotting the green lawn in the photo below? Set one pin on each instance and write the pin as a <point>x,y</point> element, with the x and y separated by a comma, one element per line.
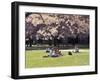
<point>34,58</point>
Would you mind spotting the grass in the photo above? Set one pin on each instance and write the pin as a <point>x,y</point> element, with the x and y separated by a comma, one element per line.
<point>34,59</point>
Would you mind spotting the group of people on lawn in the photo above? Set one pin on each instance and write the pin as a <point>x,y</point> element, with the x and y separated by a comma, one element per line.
<point>53,52</point>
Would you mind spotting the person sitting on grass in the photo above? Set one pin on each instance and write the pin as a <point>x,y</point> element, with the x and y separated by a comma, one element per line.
<point>76,49</point>
<point>58,52</point>
<point>48,50</point>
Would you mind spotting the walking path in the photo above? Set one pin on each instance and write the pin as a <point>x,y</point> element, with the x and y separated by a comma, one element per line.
<point>82,50</point>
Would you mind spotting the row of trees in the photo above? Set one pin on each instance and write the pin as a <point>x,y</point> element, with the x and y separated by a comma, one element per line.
<point>57,28</point>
